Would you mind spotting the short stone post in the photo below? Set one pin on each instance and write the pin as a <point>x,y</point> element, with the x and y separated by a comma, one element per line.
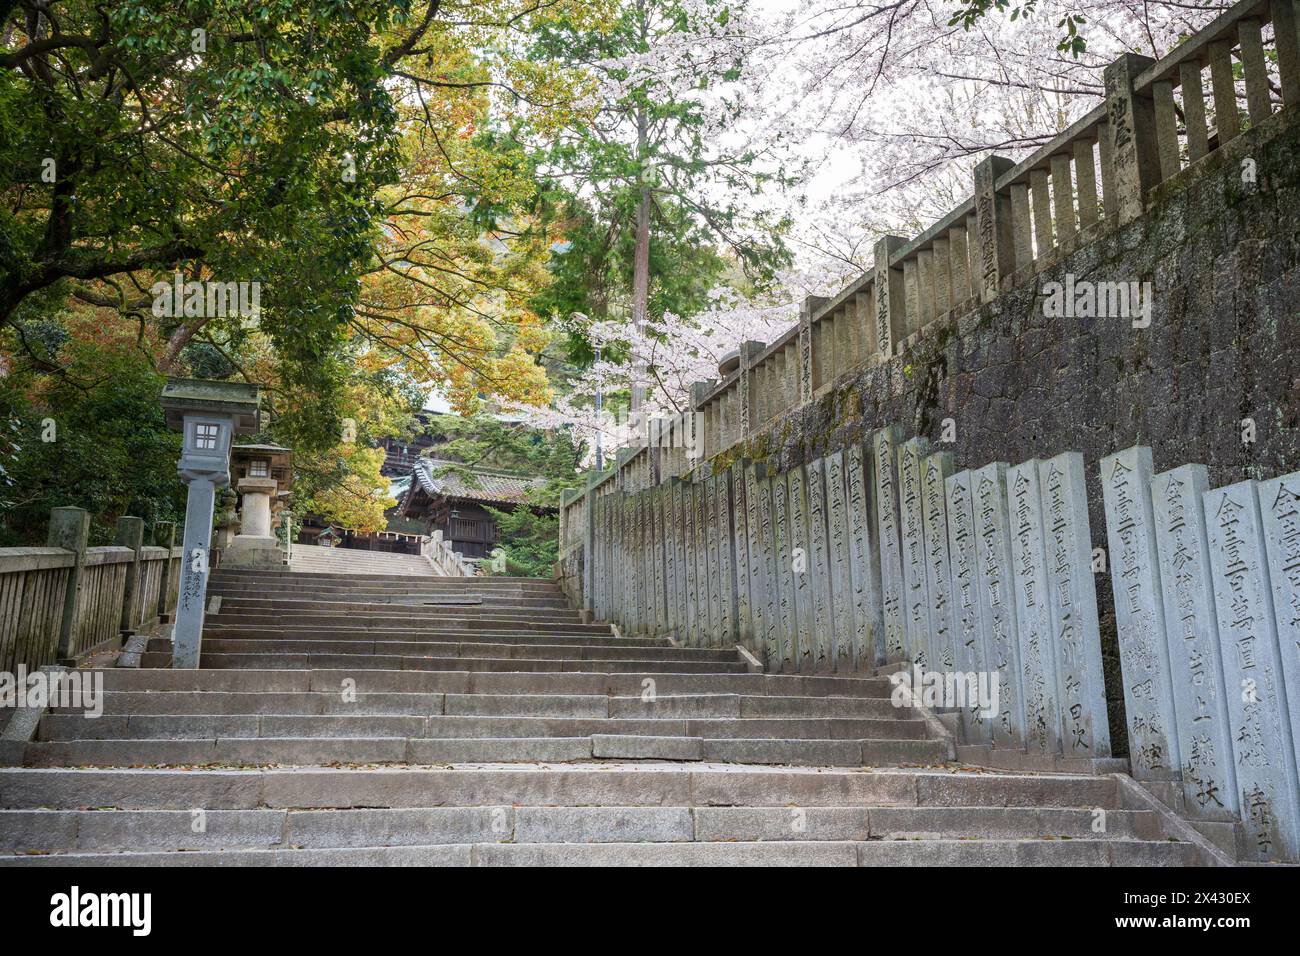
<point>69,530</point>
<point>891,306</point>
<point>1131,127</point>
<point>749,353</point>
<point>130,534</point>
<point>806,358</point>
<point>164,536</point>
<point>996,240</point>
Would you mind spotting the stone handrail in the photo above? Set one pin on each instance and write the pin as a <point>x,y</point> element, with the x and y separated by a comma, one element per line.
<point>60,603</point>
<point>444,560</point>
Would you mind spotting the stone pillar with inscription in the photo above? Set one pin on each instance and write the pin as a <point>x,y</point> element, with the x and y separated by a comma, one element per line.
<point>997,601</point>
<point>995,239</point>
<point>916,601</point>
<point>750,420</point>
<point>935,470</point>
<point>800,565</point>
<point>864,560</point>
<point>1196,668</point>
<point>741,555</point>
<point>839,546</point>
<point>1131,128</point>
<point>805,367</point>
<point>727,589</point>
<point>1279,501</point>
<point>1262,747</point>
<point>690,564</point>
<point>787,608</point>
<point>963,556</point>
<point>824,650</point>
<point>762,550</point>
<point>1080,682</point>
<point>1140,615</point>
<point>884,479</point>
<point>891,305</point>
<point>1033,612</point>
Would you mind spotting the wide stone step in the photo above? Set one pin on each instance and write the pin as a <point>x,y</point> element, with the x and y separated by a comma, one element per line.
<point>62,831</point>
<point>555,649</point>
<point>256,632</point>
<point>324,579</point>
<point>119,703</point>
<point>418,619</point>
<point>316,751</point>
<point>463,681</point>
<point>593,784</point>
<point>357,598</point>
<point>981,853</point>
<point>428,662</point>
<point>198,726</point>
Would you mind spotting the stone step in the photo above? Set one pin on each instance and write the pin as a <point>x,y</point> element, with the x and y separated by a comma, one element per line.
<point>377,681</point>
<point>416,619</point>
<point>197,726</point>
<point>254,632</point>
<point>554,649</point>
<point>981,853</point>
<point>45,831</point>
<point>119,703</point>
<point>429,662</point>
<point>592,784</point>
<point>325,579</point>
<point>321,750</point>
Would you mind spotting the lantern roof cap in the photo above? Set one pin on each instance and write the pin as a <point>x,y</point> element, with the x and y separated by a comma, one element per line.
<point>196,396</point>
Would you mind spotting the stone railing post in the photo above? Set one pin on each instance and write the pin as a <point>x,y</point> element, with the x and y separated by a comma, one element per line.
<point>69,530</point>
<point>1131,126</point>
<point>749,353</point>
<point>164,536</point>
<point>891,304</point>
<point>807,360</point>
<point>130,534</point>
<point>700,437</point>
<point>996,239</point>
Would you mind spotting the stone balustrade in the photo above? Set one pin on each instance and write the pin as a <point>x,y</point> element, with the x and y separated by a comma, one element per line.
<point>64,601</point>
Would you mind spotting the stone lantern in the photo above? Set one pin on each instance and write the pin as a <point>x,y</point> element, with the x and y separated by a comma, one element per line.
<point>260,473</point>
<point>208,415</point>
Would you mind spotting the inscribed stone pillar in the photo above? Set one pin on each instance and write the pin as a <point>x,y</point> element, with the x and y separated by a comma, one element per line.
<point>820,581</point>
<point>997,591</point>
<point>763,596</point>
<point>963,556</point>
<point>912,532</point>
<point>935,469</point>
<point>1080,684</point>
<point>801,562</point>
<point>839,547</point>
<point>891,307</point>
<point>1139,614</point>
<point>1033,613</point>
<point>741,553</point>
<point>1131,126</point>
<point>993,221</point>
<point>786,604</point>
<point>864,561</point>
<point>1262,746</point>
<point>70,530</point>
<point>884,454</point>
<point>1200,696</point>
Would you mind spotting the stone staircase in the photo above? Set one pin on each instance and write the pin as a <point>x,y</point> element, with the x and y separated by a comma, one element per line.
<point>314,559</point>
<point>481,721</point>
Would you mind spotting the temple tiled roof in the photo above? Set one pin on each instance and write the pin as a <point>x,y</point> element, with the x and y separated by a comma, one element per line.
<point>472,484</point>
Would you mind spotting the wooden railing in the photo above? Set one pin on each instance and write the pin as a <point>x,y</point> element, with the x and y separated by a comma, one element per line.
<point>60,603</point>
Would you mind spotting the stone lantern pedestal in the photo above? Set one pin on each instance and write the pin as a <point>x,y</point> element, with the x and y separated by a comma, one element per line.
<point>255,545</point>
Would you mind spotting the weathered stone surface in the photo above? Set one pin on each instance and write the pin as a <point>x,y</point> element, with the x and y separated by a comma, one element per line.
<point>801,568</point>
<point>767,597</point>
<point>1080,685</point>
<point>938,573</point>
<point>1139,614</point>
<point>673,602</point>
<point>696,574</point>
<point>787,606</point>
<point>864,561</point>
<point>884,478</point>
<point>1252,670</point>
<point>741,553</point>
<point>1200,696</point>
<point>1033,613</point>
<point>726,560</point>
<point>963,556</point>
<point>916,600</point>
<point>845,596</point>
<point>996,590</point>
<point>1279,501</point>
<point>820,578</point>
